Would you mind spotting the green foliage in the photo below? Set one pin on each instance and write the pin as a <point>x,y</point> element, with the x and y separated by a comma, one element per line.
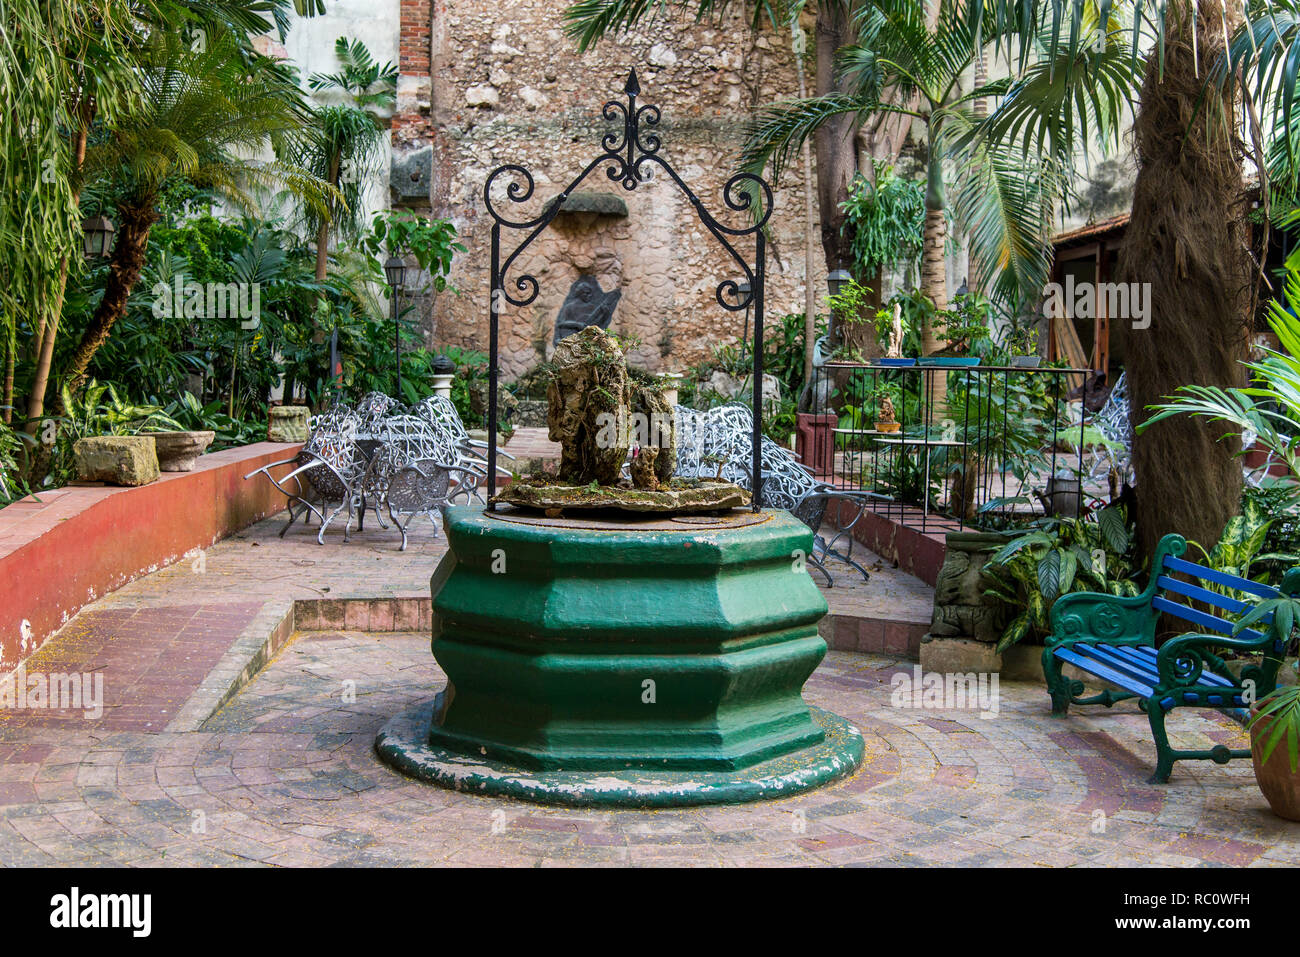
<point>13,446</point>
<point>884,221</point>
<point>850,308</point>
<point>189,414</point>
<point>1278,714</point>
<point>431,241</point>
<point>1055,558</point>
<point>1270,407</point>
<point>1240,550</point>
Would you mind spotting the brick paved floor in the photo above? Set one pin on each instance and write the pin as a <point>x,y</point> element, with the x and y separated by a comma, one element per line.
<point>284,773</point>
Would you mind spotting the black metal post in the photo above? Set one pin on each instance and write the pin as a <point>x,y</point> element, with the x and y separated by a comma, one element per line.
<point>397,345</point>
<point>495,297</point>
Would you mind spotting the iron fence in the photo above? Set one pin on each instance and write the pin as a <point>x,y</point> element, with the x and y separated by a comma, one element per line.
<point>982,446</point>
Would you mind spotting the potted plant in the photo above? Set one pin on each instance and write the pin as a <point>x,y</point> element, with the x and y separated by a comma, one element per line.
<point>965,322</point>
<point>886,417</point>
<point>1275,718</point>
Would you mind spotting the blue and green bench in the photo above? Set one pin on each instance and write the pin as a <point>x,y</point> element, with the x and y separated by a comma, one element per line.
<point>1113,638</point>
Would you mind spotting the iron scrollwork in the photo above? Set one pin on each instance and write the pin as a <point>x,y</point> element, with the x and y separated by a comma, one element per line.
<point>630,155</point>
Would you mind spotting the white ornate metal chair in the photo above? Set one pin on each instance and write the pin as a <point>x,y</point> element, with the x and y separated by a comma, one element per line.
<point>413,473</point>
<point>373,409</point>
<point>469,454</point>
<point>1115,425</point>
<point>327,471</point>
<point>720,441</point>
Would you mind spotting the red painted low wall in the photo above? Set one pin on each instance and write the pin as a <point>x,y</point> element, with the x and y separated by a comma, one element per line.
<point>80,542</point>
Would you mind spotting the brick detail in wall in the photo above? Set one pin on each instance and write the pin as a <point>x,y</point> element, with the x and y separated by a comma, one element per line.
<point>414,41</point>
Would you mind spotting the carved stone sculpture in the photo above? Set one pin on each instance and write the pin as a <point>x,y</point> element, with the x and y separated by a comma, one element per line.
<point>585,305</point>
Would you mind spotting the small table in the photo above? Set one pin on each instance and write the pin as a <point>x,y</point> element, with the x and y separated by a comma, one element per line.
<point>906,442</point>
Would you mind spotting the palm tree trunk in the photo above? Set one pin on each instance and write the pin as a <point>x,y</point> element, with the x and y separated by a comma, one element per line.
<point>124,272</point>
<point>48,331</point>
<point>1188,241</point>
<point>934,284</point>
<point>835,142</point>
<point>11,347</point>
<point>45,358</point>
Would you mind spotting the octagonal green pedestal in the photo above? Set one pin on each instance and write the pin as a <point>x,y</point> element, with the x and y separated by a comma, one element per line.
<point>648,662</point>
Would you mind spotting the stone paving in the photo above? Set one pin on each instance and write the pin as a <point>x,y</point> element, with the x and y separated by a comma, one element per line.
<point>284,773</point>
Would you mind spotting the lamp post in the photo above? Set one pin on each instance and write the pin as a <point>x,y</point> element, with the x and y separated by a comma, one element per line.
<point>395,272</point>
<point>97,236</point>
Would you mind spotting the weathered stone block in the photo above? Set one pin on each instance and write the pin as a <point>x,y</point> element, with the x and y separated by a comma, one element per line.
<point>288,423</point>
<point>117,459</point>
<point>1023,663</point>
<point>958,655</point>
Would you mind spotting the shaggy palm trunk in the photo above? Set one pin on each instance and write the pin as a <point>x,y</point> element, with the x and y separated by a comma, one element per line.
<point>934,284</point>
<point>835,141</point>
<point>1189,240</point>
<point>124,272</point>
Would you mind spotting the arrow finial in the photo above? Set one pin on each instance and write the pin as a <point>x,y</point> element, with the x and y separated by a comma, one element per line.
<point>633,88</point>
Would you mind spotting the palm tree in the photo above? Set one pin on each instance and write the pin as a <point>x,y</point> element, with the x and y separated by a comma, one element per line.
<point>345,140</point>
<point>910,60</point>
<point>1212,71</point>
<point>90,70</point>
<point>202,112</point>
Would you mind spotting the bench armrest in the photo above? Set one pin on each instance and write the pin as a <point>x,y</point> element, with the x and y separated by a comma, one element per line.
<point>1098,616</point>
<point>1182,660</point>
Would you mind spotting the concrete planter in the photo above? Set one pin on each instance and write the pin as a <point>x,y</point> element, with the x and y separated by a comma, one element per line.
<point>178,451</point>
<point>287,423</point>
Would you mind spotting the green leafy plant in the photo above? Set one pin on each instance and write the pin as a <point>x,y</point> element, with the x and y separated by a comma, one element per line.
<point>885,221</point>
<point>1277,713</point>
<point>1240,549</point>
<point>1057,557</point>
<point>851,306</point>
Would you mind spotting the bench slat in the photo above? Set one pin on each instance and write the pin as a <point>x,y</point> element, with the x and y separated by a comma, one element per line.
<point>1201,594</point>
<point>1145,653</point>
<point>1205,620</point>
<point>1094,667</point>
<point>1142,671</point>
<point>1220,578</point>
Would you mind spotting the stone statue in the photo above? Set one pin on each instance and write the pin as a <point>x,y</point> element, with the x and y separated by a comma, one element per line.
<point>585,305</point>
<point>895,349</point>
<point>887,409</point>
<point>587,400</point>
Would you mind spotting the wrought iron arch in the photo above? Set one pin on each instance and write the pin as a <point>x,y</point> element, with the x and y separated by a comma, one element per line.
<point>631,155</point>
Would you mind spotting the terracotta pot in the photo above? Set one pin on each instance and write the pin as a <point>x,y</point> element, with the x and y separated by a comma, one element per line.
<point>1281,786</point>
<point>177,451</point>
<point>887,426</point>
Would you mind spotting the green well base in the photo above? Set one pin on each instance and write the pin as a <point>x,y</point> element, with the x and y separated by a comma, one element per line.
<point>404,745</point>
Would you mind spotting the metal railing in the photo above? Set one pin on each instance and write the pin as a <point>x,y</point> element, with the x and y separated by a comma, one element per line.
<point>981,446</point>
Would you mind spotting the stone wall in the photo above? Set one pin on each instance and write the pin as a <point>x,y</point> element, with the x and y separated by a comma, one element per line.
<point>504,85</point>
